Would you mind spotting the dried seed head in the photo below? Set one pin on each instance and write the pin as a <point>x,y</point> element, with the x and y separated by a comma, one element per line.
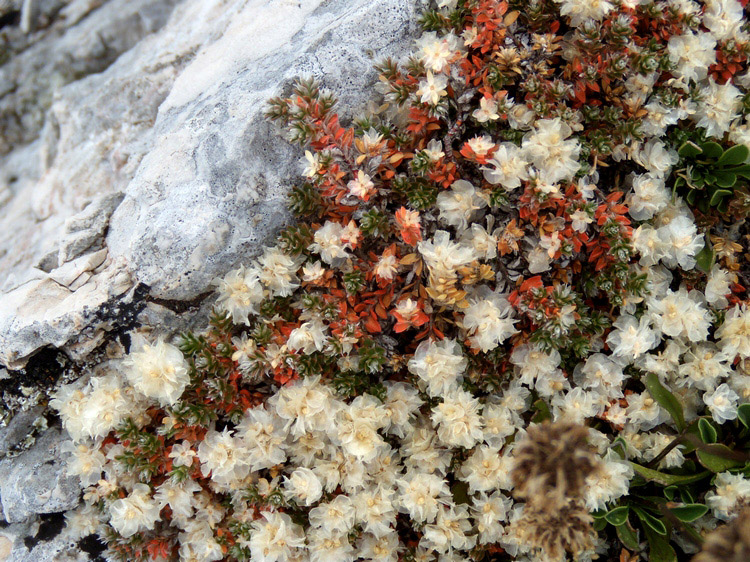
<point>728,543</point>
<point>557,532</point>
<point>552,464</point>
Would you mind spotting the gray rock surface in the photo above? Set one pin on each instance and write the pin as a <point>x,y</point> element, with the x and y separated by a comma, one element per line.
<point>163,160</point>
<point>35,482</point>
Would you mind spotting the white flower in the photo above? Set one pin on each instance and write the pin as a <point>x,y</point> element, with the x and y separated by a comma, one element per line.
<point>734,333</point>
<point>278,271</point>
<point>311,164</point>
<point>458,204</point>
<point>610,482</point>
<point>722,403</point>
<point>443,256</point>
<point>335,516</point>
<point>305,405</point>
<point>326,546</point>
<point>418,495</point>
<point>481,241</point>
<point>437,52</point>
<point>482,470</point>
<point>508,167</point>
<point>649,244</point>
<point>681,314</point>
<point>499,423</point>
<point>135,512</point>
<point>546,148</point>
<point>387,267</point>
<point>487,110</point>
<point>223,456</point>
<point>303,486</point>
<point>179,497</point>
<point>644,412</point>
<point>86,462</point>
<point>312,271</point>
<point>375,510</point>
<point>439,364</point>
<point>379,549</point>
<point>481,145</point>
<point>489,320</point>
<point>362,186</point>
<point>719,286</point>
<point>703,366</point>
<point>308,338</point>
<point>657,158</point>
<point>449,530</point>
<point>580,11</point>
<point>275,538</point>
<point>240,292</point>
<point>432,88</point>
<point>730,488</point>
<point>332,241</point>
<point>531,362</point>
<point>718,108</point>
<point>649,196</point>
<point>692,54</point>
<point>577,405</point>
<point>457,419</point>
<point>489,513</point>
<point>600,373</point>
<point>724,19</point>
<point>158,371</point>
<point>182,454</point>
<point>631,337</point>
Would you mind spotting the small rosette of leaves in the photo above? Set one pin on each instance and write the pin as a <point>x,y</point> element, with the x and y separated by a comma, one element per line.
<point>708,174</point>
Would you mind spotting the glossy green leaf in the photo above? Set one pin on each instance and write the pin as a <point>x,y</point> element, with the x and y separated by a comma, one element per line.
<point>659,549</point>
<point>599,524</point>
<point>705,258</point>
<point>686,496</point>
<point>743,414</point>
<point>690,512</point>
<point>618,516</point>
<point>707,430</point>
<point>665,399</point>
<point>712,150</point>
<point>668,479</point>
<point>718,458</point>
<point>689,150</point>
<point>734,155</point>
<point>649,521</point>
<point>628,537</point>
<point>717,196</point>
<point>724,179</point>
<point>669,492</point>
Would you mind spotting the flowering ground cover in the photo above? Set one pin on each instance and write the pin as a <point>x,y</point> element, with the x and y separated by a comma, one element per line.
<point>509,323</point>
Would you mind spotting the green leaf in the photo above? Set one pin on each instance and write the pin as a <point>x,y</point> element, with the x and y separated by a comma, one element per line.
<point>665,399</point>
<point>690,197</point>
<point>705,258</point>
<point>659,548</point>
<point>669,492</point>
<point>668,479</point>
<point>649,521</point>
<point>628,537</point>
<point>689,150</point>
<point>542,411</point>
<point>717,196</point>
<point>618,516</point>
<point>707,430</point>
<point>734,155</point>
<point>725,179</point>
<point>689,513</point>
<point>718,458</point>
<point>743,414</point>
<point>712,150</point>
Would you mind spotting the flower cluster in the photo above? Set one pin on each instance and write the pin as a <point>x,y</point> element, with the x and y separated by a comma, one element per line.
<point>512,236</point>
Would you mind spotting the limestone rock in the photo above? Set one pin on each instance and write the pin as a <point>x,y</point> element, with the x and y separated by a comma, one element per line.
<point>163,160</point>
<point>35,481</point>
